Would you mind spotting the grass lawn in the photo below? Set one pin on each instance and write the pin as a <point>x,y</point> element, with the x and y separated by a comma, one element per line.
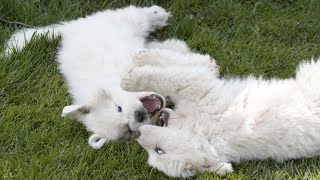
<point>264,38</point>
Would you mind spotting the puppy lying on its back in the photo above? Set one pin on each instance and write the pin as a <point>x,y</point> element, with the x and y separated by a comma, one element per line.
<point>93,54</point>
<point>218,121</point>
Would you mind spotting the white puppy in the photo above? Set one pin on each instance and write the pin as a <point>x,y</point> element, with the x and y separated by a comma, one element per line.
<point>217,122</point>
<point>93,54</point>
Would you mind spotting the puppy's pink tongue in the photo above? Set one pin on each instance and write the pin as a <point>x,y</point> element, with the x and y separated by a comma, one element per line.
<point>151,104</point>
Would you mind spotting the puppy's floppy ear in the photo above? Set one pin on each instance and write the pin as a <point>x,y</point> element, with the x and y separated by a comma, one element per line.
<point>75,111</point>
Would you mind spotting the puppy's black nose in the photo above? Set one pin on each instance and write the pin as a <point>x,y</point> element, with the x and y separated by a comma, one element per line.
<point>140,115</point>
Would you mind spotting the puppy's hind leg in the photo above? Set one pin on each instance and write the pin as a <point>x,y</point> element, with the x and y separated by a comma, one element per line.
<point>308,78</point>
<point>170,44</point>
<point>157,17</point>
<point>169,81</point>
<point>149,19</point>
<point>167,58</point>
<point>140,22</point>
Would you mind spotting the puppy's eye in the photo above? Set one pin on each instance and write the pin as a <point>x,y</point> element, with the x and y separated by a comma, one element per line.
<point>159,150</point>
<point>119,108</point>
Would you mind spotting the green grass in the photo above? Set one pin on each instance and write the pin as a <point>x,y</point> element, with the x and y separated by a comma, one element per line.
<point>264,38</point>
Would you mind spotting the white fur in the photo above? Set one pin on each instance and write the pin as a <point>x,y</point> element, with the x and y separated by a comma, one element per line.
<point>93,54</point>
<point>219,121</point>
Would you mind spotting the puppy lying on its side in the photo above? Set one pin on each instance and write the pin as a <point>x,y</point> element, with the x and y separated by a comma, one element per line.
<point>217,122</point>
<point>93,54</point>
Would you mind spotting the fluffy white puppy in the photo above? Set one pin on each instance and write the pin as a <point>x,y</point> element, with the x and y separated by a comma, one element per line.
<point>93,54</point>
<point>217,121</point>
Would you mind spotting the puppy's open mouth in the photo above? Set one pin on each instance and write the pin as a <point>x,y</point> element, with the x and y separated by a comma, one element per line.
<point>164,118</point>
<point>152,104</point>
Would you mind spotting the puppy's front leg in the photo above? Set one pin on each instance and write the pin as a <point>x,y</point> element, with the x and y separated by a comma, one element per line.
<point>188,83</point>
<point>221,169</point>
<point>167,58</point>
<point>96,141</point>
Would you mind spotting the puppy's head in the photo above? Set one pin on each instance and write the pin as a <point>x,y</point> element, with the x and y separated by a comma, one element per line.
<point>176,150</point>
<point>115,115</point>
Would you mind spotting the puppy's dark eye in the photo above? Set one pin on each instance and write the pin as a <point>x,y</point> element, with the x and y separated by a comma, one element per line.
<point>159,150</point>
<point>119,108</point>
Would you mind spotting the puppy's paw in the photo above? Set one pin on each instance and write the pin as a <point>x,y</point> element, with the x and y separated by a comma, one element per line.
<point>145,57</point>
<point>176,45</point>
<point>210,63</point>
<point>214,68</point>
<point>158,17</point>
<point>224,169</point>
<point>96,141</point>
<point>129,81</point>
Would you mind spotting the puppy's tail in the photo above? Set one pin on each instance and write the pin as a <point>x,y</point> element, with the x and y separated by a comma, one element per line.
<point>22,37</point>
<point>308,80</point>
